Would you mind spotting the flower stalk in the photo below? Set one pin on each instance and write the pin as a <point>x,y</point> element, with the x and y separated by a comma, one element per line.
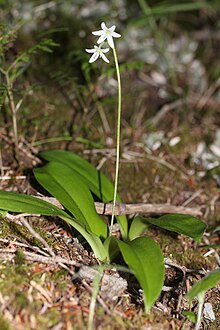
<point>106,35</point>
<point>118,140</point>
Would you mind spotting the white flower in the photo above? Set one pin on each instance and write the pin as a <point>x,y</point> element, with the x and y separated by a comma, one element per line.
<point>106,33</point>
<point>98,52</point>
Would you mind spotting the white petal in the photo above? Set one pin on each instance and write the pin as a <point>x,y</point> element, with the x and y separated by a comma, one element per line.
<point>104,57</point>
<point>94,57</point>
<point>90,50</point>
<point>110,41</point>
<point>98,33</point>
<point>105,50</point>
<point>112,28</point>
<point>103,26</point>
<point>101,38</point>
<point>115,35</point>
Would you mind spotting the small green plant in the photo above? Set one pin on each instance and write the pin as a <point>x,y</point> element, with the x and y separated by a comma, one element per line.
<point>199,290</point>
<point>72,181</point>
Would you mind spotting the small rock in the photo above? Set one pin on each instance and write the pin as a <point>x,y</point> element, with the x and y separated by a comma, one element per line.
<point>208,312</point>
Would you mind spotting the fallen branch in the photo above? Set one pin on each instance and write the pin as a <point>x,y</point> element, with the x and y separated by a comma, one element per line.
<point>8,254</point>
<point>142,208</point>
<point>123,209</point>
<point>37,236</point>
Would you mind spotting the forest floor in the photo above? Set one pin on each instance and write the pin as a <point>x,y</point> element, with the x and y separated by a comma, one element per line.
<point>170,149</point>
<point>38,292</point>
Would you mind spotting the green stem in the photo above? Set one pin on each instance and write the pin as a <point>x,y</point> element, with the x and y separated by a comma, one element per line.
<point>201,297</point>
<point>12,107</point>
<point>118,139</point>
<point>96,282</point>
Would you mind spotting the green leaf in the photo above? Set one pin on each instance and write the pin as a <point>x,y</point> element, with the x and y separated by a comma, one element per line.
<point>191,316</point>
<point>181,224</point>
<point>93,240</point>
<point>145,258</point>
<point>68,188</point>
<point>111,247</point>
<point>97,182</point>
<point>138,226</point>
<point>208,282</point>
<point>3,214</point>
<point>21,203</point>
<point>13,202</point>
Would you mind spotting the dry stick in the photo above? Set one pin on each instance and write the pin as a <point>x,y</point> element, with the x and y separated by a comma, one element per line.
<point>42,259</point>
<point>1,164</point>
<point>132,155</point>
<point>30,154</point>
<point>205,34</point>
<point>165,109</point>
<point>42,240</point>
<point>122,208</point>
<point>36,249</point>
<point>208,94</point>
<point>31,256</point>
<point>9,177</point>
<point>37,236</point>
<point>216,255</point>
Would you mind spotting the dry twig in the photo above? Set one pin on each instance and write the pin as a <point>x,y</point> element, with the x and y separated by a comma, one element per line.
<point>37,236</point>
<point>142,208</point>
<point>122,209</point>
<point>9,254</point>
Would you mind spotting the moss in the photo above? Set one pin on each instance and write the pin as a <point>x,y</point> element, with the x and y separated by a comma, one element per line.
<point>14,283</point>
<point>5,229</point>
<point>21,300</point>
<point>48,320</point>
<point>19,258</point>
<point>8,229</point>
<point>174,247</point>
<point>59,276</point>
<point>4,324</point>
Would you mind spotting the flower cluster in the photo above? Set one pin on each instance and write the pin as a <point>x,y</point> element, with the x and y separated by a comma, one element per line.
<point>106,34</point>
